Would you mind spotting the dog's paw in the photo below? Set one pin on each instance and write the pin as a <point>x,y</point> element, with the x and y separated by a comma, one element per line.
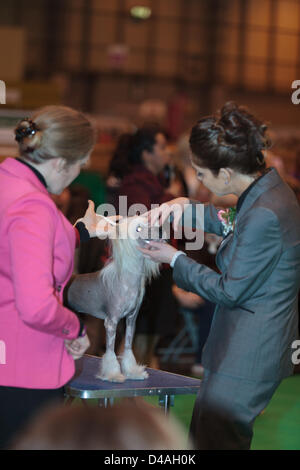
<point>130,368</point>
<point>117,378</point>
<point>136,373</point>
<point>110,369</point>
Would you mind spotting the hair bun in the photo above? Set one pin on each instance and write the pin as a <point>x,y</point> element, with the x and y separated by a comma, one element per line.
<point>245,131</point>
<point>28,135</point>
<point>232,139</point>
<point>239,124</point>
<point>25,128</point>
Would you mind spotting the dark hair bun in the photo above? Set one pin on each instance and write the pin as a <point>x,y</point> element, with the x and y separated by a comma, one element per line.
<point>235,139</point>
<point>243,130</point>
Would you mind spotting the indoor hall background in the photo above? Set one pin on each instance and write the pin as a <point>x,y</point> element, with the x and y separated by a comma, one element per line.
<point>247,50</point>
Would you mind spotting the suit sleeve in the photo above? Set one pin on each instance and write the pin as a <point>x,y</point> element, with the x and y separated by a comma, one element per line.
<point>257,252</point>
<point>31,233</point>
<point>194,217</point>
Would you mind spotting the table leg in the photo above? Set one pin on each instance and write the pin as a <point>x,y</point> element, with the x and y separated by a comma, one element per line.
<point>69,400</point>
<point>165,401</point>
<point>84,402</point>
<point>105,402</point>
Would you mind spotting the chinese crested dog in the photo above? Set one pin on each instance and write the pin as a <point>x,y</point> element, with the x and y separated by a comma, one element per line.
<point>116,292</point>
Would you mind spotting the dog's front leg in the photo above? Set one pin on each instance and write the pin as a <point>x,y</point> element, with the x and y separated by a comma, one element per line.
<point>129,366</point>
<point>110,368</point>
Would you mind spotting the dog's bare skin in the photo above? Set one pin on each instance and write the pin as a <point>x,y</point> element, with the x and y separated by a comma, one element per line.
<point>114,293</point>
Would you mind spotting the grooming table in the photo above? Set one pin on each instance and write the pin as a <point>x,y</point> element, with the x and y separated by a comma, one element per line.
<point>165,385</point>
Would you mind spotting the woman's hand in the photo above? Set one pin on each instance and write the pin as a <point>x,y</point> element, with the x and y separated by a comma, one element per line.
<point>96,225</point>
<point>77,347</point>
<point>159,252</point>
<point>161,213</point>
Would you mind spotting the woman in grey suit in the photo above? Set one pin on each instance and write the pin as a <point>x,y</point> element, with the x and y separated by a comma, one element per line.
<point>250,345</point>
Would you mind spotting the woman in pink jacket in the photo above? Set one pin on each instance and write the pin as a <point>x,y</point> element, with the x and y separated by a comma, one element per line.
<point>39,337</point>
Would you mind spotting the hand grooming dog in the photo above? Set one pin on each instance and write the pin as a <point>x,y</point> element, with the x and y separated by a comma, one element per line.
<point>116,292</point>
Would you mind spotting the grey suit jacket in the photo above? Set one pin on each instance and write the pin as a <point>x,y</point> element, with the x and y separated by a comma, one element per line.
<point>256,315</point>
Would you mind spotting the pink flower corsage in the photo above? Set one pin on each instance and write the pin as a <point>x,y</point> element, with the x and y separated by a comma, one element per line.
<point>227,217</point>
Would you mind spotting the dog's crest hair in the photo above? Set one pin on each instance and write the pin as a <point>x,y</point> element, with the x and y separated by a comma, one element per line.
<point>127,259</point>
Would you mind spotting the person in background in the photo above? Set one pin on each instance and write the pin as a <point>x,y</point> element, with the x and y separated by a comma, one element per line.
<point>147,156</point>
<point>144,182</point>
<point>119,167</point>
<point>42,338</point>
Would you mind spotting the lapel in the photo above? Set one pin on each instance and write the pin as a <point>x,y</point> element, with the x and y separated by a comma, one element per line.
<point>224,242</point>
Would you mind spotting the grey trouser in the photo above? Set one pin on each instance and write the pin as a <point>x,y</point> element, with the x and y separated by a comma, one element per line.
<point>225,411</point>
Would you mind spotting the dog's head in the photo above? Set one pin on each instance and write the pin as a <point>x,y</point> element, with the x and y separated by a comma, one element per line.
<point>131,233</point>
<point>138,230</point>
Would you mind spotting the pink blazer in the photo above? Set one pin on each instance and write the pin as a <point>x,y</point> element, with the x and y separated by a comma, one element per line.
<point>36,261</point>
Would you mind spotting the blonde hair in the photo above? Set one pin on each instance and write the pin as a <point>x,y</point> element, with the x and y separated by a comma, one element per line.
<point>55,131</point>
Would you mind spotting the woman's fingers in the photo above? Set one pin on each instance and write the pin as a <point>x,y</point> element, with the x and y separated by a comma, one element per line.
<point>159,252</point>
<point>155,244</point>
<point>159,215</point>
<point>153,216</point>
<point>148,252</point>
<point>115,218</point>
<point>145,251</point>
<point>72,349</point>
<point>162,213</point>
<point>111,220</point>
<point>91,206</point>
<point>177,220</point>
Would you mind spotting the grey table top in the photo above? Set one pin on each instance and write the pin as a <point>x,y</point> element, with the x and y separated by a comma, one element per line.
<point>85,385</point>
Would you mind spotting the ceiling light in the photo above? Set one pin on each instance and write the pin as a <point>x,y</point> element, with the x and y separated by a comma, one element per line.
<point>140,12</point>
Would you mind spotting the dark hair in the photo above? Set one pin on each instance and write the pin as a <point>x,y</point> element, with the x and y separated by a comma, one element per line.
<point>234,139</point>
<point>130,147</point>
<point>143,139</point>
